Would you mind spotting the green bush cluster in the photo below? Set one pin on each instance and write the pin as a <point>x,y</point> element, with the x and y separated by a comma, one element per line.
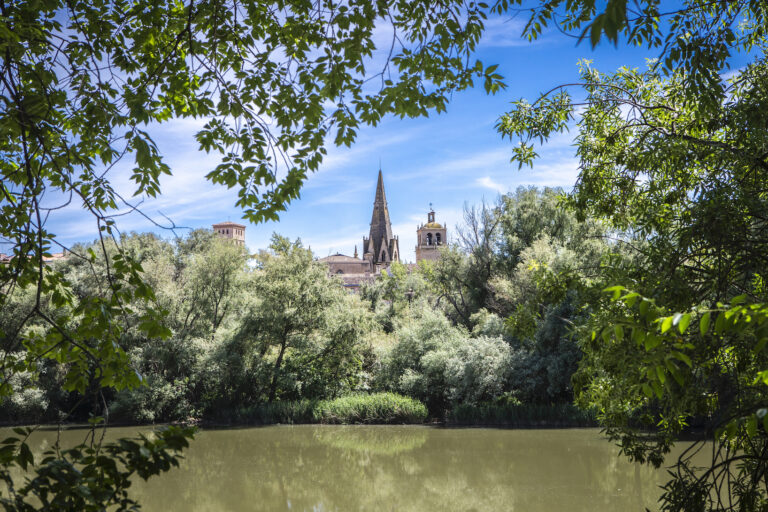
<point>358,408</point>
<point>373,408</point>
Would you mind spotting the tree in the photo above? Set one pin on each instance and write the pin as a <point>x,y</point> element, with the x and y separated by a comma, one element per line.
<point>303,323</point>
<point>461,276</point>
<point>80,82</point>
<point>394,291</point>
<point>675,157</point>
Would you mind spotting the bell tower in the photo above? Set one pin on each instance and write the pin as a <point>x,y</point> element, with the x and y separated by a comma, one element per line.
<point>429,238</point>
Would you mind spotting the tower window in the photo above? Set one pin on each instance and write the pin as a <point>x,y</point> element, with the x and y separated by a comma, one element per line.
<point>437,239</point>
<point>429,238</point>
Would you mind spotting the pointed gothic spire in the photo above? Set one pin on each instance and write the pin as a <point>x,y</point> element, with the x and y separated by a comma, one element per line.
<point>381,228</point>
<point>381,197</point>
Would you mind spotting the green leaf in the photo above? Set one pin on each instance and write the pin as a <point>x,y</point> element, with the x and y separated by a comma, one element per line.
<point>704,323</point>
<point>652,341</point>
<point>720,323</point>
<point>666,324</point>
<point>682,357</point>
<point>752,426</point>
<point>684,321</point>
<point>25,457</point>
<point>615,291</point>
<point>740,299</point>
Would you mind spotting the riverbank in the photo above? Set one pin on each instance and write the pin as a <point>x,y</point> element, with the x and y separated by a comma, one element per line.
<point>388,409</point>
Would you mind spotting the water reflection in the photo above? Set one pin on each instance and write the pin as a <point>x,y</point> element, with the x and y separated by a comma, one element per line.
<point>403,468</point>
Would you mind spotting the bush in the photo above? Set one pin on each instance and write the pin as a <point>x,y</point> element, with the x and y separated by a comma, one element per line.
<point>444,366</point>
<point>375,408</point>
<point>523,415</point>
<point>27,404</point>
<point>158,401</point>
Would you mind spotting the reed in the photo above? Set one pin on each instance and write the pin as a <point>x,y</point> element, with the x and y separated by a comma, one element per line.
<point>522,415</point>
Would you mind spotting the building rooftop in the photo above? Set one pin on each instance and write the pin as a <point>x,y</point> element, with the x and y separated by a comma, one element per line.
<point>229,224</point>
<point>339,258</point>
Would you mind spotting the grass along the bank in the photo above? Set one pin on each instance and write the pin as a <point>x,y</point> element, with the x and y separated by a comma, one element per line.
<point>522,415</point>
<point>360,408</point>
<point>375,408</point>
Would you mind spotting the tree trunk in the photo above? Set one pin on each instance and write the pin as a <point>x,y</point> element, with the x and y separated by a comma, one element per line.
<point>276,372</point>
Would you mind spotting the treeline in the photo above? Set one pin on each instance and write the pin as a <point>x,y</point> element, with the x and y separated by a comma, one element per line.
<point>491,324</point>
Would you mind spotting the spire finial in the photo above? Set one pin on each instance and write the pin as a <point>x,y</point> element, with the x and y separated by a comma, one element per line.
<point>379,164</point>
<point>430,207</point>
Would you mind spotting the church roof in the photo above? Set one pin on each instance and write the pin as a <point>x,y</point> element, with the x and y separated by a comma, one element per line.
<point>340,258</point>
<point>433,225</point>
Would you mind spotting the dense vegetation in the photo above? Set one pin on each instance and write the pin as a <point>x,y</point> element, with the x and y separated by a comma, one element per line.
<point>248,332</point>
<point>672,169</point>
<point>676,155</point>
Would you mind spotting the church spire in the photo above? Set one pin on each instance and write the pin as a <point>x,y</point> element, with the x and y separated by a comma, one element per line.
<point>381,227</point>
<point>380,224</point>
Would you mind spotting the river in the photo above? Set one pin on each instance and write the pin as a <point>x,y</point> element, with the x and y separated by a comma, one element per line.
<point>394,468</point>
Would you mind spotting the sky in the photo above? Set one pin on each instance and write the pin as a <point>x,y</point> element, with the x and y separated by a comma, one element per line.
<point>445,160</point>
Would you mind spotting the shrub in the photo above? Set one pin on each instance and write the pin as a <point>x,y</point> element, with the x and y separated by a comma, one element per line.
<point>443,366</point>
<point>374,408</point>
<point>158,401</point>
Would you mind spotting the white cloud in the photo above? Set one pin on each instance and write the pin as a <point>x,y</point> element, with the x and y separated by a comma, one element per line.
<point>479,161</point>
<point>487,182</point>
<point>506,32</point>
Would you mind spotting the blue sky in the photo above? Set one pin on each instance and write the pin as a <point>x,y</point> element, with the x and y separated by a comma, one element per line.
<point>446,159</point>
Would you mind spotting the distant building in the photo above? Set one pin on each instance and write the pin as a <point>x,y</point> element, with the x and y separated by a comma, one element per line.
<point>380,248</point>
<point>5,259</point>
<point>429,238</point>
<point>231,231</point>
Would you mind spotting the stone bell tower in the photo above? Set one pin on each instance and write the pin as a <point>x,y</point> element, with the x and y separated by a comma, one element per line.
<point>429,238</point>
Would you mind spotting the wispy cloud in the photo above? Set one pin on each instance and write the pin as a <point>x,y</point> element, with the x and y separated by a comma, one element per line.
<point>487,182</point>
<point>473,163</point>
<point>506,32</point>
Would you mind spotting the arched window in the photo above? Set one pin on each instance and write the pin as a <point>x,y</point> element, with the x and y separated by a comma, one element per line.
<point>437,239</point>
<point>339,271</point>
<point>429,238</point>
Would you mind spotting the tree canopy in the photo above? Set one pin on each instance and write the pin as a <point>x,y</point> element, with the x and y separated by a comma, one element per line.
<point>673,158</point>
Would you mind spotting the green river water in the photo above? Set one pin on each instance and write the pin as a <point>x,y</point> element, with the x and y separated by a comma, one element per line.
<point>394,468</point>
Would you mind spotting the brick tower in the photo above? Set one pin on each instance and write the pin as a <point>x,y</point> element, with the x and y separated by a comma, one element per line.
<point>231,231</point>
